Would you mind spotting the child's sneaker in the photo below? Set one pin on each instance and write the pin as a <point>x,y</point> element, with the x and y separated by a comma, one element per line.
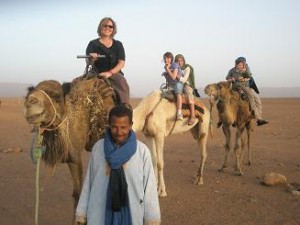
<point>179,116</point>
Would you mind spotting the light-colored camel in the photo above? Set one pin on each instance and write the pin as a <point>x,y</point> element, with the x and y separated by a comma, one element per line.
<point>233,111</point>
<point>156,117</point>
<point>70,124</point>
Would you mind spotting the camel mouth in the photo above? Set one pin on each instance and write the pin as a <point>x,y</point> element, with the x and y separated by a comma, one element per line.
<point>35,118</point>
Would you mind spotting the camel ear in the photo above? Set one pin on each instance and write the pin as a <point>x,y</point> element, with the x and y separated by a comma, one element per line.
<point>31,88</point>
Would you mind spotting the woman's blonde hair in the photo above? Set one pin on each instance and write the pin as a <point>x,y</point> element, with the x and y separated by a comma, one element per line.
<point>103,22</point>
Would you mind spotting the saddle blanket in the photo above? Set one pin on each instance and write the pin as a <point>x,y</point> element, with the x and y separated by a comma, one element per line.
<point>199,108</point>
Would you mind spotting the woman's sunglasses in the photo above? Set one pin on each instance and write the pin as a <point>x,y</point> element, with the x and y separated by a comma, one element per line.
<point>108,26</point>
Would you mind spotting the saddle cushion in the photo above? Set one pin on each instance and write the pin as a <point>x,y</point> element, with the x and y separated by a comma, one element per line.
<point>199,108</point>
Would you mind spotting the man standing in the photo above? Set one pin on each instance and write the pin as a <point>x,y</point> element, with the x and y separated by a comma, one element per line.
<point>120,185</point>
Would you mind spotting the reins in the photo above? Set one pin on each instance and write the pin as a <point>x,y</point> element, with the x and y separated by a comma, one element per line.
<point>54,116</point>
<point>210,116</point>
<point>37,152</point>
<point>51,102</point>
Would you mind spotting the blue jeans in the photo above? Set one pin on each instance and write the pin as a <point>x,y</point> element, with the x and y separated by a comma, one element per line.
<point>178,88</point>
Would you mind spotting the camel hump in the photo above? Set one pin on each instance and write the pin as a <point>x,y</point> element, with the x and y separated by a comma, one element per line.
<point>96,85</point>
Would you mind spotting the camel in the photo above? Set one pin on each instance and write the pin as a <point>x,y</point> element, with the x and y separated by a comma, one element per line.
<point>156,118</point>
<point>69,124</point>
<point>235,112</point>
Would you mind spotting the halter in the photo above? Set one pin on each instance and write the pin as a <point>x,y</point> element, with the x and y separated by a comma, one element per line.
<point>55,114</point>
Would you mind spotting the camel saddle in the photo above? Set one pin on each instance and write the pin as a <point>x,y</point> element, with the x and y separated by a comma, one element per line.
<point>199,107</point>
<point>99,83</point>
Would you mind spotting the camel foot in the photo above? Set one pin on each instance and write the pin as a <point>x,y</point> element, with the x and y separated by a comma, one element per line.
<point>222,170</point>
<point>162,194</point>
<point>240,173</point>
<point>198,181</point>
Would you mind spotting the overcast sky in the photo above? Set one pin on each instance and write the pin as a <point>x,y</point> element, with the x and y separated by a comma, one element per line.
<point>41,39</point>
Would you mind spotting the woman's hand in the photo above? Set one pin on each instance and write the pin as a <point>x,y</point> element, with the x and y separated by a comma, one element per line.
<point>106,74</point>
<point>167,67</point>
<point>241,79</point>
<point>232,79</point>
<point>94,55</point>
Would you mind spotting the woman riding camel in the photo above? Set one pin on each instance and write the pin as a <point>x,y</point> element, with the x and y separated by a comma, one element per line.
<point>110,66</point>
<point>189,85</point>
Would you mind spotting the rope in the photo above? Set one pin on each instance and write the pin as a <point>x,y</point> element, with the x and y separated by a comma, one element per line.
<point>54,116</point>
<point>37,152</point>
<point>37,193</point>
<point>51,102</point>
<point>58,126</point>
<point>210,116</point>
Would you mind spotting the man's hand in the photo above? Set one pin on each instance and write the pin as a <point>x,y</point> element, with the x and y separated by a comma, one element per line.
<point>80,220</point>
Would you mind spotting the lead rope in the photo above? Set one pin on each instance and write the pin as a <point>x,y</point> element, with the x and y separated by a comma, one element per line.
<point>210,116</point>
<point>37,151</point>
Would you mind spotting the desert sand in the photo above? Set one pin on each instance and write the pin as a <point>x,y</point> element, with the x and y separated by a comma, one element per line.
<point>223,199</point>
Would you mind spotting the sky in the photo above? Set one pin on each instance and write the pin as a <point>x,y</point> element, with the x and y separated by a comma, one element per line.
<point>41,39</point>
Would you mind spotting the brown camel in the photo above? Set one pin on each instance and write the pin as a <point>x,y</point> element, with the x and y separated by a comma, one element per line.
<point>235,112</point>
<point>70,122</point>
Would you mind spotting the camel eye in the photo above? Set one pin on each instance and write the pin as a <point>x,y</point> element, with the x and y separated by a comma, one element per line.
<point>56,98</point>
<point>33,100</point>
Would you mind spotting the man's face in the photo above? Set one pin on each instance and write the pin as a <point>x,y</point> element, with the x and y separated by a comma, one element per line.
<point>119,128</point>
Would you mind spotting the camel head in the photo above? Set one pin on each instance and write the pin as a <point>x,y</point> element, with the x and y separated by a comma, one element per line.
<point>44,104</point>
<point>218,90</point>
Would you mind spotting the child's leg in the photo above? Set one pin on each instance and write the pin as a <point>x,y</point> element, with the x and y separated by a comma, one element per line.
<point>179,102</point>
<point>178,91</point>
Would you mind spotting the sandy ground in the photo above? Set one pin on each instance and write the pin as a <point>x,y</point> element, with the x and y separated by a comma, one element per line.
<point>223,199</point>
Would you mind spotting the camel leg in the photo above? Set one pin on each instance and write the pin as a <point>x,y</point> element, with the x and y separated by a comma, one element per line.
<point>249,144</point>
<point>242,149</point>
<point>76,173</point>
<point>203,155</point>
<point>227,133</point>
<point>151,145</point>
<point>159,141</point>
<point>238,151</point>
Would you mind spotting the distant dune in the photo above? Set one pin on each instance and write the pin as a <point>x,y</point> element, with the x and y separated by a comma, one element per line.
<point>20,90</point>
<point>13,89</point>
<point>273,92</point>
